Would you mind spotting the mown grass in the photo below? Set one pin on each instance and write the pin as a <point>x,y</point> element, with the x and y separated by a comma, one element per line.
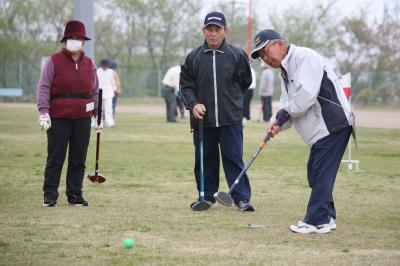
<point>149,166</point>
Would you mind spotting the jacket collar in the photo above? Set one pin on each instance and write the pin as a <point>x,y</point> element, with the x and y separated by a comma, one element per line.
<point>68,54</point>
<point>221,48</point>
<point>285,60</point>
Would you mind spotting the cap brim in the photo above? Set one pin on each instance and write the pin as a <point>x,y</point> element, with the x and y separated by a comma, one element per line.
<point>214,23</point>
<point>254,53</point>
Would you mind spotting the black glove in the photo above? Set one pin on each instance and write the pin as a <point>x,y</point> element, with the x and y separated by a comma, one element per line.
<point>282,117</point>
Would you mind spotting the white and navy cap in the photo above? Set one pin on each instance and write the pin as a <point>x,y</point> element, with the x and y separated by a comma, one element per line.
<point>262,38</point>
<point>215,18</point>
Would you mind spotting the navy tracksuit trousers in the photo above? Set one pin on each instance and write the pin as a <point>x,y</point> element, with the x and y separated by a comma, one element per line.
<point>229,141</point>
<point>322,168</point>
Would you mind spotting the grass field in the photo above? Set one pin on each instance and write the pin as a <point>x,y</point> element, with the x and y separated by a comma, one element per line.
<point>149,165</point>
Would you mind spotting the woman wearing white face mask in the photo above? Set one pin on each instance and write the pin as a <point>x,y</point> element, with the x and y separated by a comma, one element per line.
<point>74,45</point>
<point>67,95</point>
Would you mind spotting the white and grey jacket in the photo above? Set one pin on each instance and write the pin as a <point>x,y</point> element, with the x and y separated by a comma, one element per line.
<point>313,95</point>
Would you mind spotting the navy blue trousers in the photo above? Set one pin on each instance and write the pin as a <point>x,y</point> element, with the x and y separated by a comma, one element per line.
<point>323,165</point>
<point>228,140</point>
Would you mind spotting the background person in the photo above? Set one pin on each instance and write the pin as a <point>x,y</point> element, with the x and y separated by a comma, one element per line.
<point>266,91</point>
<point>315,104</point>
<point>106,82</point>
<point>170,84</point>
<point>118,90</point>
<point>214,78</point>
<point>248,97</point>
<point>67,94</point>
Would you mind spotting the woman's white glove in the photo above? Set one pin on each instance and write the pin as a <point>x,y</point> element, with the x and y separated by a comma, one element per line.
<point>44,121</point>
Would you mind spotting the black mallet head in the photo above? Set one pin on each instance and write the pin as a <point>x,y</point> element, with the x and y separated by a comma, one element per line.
<point>200,206</point>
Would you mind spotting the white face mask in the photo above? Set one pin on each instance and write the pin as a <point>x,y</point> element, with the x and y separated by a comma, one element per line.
<point>74,45</point>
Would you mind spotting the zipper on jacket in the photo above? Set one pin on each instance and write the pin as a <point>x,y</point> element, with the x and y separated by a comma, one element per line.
<point>215,90</point>
<point>76,65</point>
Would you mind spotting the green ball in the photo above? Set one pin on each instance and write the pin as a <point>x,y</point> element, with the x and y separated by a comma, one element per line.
<point>128,243</point>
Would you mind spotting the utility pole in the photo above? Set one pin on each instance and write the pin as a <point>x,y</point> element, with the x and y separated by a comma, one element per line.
<point>84,11</point>
<point>249,28</point>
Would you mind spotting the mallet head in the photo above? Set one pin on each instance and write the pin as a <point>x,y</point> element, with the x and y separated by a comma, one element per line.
<point>223,198</point>
<point>96,178</point>
<point>200,206</point>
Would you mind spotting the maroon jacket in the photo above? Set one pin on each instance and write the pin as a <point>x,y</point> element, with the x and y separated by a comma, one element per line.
<point>66,87</point>
<point>71,90</point>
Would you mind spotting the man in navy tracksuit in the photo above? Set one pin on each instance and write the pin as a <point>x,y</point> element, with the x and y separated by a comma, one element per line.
<point>213,81</point>
<point>313,101</point>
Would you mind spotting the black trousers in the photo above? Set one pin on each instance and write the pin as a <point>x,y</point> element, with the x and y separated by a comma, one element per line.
<point>246,103</point>
<point>73,134</point>
<point>170,103</point>
<point>266,102</point>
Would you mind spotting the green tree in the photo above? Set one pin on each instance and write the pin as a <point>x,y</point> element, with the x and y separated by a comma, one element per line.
<point>29,30</point>
<point>147,36</point>
<point>236,14</point>
<point>161,28</point>
<point>316,28</point>
<point>384,92</point>
<point>364,96</point>
<point>356,48</point>
<point>371,51</point>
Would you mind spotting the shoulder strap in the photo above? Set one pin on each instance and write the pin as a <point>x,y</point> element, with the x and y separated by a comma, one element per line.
<point>196,65</point>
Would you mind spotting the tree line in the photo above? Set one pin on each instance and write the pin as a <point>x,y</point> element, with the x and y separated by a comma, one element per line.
<point>145,37</point>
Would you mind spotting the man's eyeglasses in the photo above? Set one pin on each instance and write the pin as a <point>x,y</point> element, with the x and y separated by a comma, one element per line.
<point>266,49</point>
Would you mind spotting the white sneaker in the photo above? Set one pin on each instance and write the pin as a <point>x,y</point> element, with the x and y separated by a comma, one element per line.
<point>332,224</point>
<point>323,228</point>
<point>304,228</point>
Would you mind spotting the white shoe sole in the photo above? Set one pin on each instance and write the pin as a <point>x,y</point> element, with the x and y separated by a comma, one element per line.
<point>324,230</point>
<point>303,230</point>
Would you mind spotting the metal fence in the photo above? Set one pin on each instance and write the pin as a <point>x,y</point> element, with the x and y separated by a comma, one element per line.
<point>135,82</point>
<point>139,82</point>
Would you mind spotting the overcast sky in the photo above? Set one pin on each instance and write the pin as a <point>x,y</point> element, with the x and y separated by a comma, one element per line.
<point>345,7</point>
<point>342,7</point>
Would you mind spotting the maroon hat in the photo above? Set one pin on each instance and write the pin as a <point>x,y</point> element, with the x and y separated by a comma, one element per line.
<point>74,28</point>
